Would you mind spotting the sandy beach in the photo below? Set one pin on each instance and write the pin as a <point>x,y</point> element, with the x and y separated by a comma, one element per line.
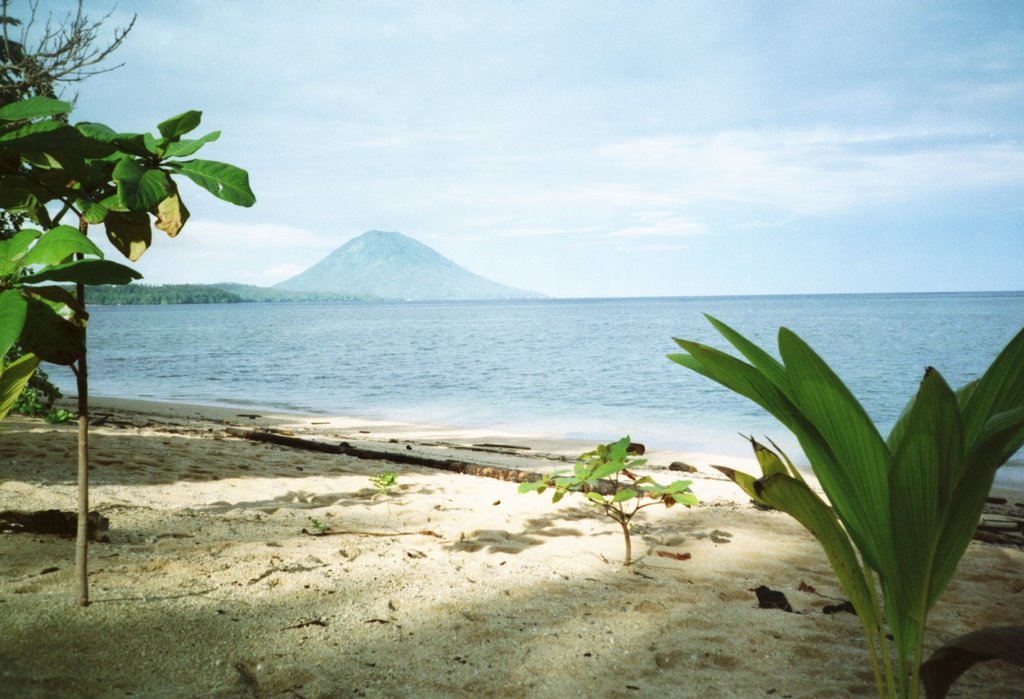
<point>216,581</point>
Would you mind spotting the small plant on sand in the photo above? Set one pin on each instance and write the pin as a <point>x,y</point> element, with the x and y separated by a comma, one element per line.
<point>60,416</point>
<point>319,525</point>
<point>908,504</point>
<point>625,491</point>
<point>384,482</point>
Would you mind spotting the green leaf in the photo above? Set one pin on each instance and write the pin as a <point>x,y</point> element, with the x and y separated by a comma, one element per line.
<point>857,480</point>
<point>929,462</point>
<point>39,137</point>
<point>968,494</point>
<point>127,143</point>
<point>88,272</point>
<point>1000,438</point>
<point>137,144</point>
<point>1001,388</point>
<point>13,309</point>
<point>21,199</point>
<point>140,188</point>
<point>13,379</point>
<point>768,460</point>
<point>770,367</point>
<point>92,211</point>
<point>179,125</point>
<point>98,132</point>
<point>129,232</point>
<point>595,497</point>
<point>12,252</point>
<point>617,451</point>
<point>50,336</point>
<point>685,498</point>
<point>604,470</point>
<point>185,148</point>
<point>739,377</point>
<point>622,495</point>
<point>61,299</point>
<point>745,481</point>
<point>532,487</point>
<point>140,145</point>
<point>224,181</point>
<point>33,108</point>
<point>58,244</point>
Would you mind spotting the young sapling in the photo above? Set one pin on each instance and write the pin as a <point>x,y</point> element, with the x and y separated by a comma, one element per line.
<point>629,493</point>
<point>384,482</point>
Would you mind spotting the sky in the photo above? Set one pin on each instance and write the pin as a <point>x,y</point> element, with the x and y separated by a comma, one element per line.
<point>594,149</point>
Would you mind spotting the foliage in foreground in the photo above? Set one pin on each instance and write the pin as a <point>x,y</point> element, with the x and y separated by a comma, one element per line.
<point>91,175</point>
<point>627,492</point>
<point>908,504</point>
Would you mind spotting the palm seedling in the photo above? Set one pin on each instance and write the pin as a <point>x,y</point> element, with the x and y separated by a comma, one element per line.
<point>903,509</point>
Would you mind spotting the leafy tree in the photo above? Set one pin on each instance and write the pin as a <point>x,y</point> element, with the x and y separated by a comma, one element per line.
<point>39,62</point>
<point>91,175</point>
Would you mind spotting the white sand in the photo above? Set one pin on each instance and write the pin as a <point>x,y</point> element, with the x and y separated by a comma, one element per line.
<point>452,585</point>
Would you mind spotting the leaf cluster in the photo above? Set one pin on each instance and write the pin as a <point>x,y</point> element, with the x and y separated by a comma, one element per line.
<point>907,504</point>
<point>49,170</point>
<point>118,180</point>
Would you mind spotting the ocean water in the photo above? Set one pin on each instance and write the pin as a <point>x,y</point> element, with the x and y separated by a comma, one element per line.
<point>592,369</point>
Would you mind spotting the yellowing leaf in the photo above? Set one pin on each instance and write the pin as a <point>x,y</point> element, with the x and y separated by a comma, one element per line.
<point>171,215</point>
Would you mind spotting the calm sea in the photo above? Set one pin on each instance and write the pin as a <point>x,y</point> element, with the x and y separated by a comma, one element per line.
<point>593,369</point>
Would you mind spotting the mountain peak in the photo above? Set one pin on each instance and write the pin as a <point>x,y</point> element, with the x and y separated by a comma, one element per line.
<point>390,265</point>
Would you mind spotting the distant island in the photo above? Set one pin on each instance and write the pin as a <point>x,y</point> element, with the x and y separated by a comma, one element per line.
<point>375,266</point>
<point>394,266</point>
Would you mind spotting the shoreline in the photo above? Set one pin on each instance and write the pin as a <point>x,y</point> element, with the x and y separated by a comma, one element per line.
<point>452,441</point>
<point>237,568</point>
<point>457,442</point>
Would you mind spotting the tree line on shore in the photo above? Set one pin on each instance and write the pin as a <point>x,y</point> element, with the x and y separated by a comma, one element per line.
<point>165,294</point>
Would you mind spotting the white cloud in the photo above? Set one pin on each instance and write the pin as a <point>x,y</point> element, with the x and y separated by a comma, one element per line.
<point>816,171</point>
<point>670,227</point>
<point>214,251</point>
<point>528,232</point>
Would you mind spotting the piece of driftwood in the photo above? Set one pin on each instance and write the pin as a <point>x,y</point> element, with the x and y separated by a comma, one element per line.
<point>56,522</point>
<point>454,465</point>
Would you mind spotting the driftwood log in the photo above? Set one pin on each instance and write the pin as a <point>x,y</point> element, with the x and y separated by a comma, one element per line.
<point>56,522</point>
<point>344,448</point>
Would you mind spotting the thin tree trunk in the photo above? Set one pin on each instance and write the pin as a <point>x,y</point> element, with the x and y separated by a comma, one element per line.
<point>629,542</point>
<point>82,540</point>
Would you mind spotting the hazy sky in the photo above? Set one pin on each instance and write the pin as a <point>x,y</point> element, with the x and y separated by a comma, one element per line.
<point>596,148</point>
